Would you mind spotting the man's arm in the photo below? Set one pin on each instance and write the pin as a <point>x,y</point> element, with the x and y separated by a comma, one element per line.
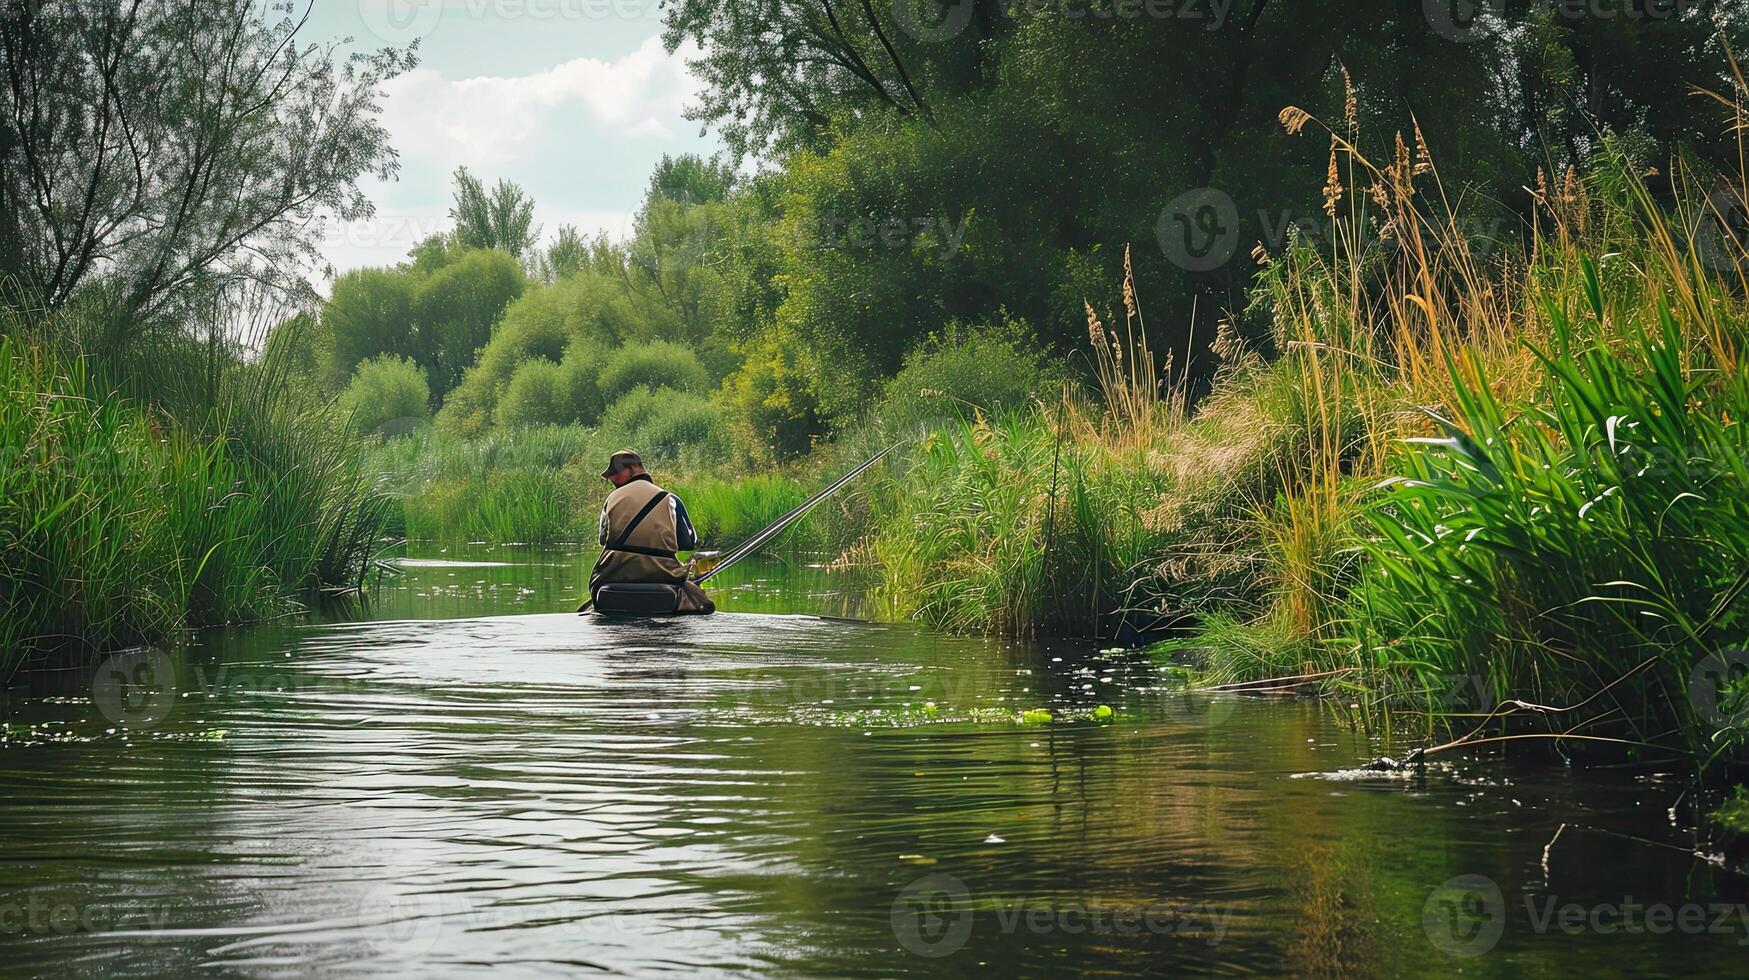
<point>685,536</point>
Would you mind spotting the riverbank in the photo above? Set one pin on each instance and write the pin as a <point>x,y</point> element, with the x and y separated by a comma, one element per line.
<point>124,521</point>
<point>1520,473</point>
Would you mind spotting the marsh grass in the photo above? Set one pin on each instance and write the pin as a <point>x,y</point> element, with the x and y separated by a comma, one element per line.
<point>1563,506</point>
<point>1524,465</point>
<point>542,485</point>
<point>125,518</point>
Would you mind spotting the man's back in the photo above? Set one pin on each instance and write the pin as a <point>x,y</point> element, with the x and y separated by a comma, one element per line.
<point>658,529</point>
<point>642,526</point>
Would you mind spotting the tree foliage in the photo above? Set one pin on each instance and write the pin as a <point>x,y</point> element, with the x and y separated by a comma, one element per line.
<point>934,171</point>
<point>438,316</point>
<point>388,396</point>
<point>502,218</point>
<point>154,148</point>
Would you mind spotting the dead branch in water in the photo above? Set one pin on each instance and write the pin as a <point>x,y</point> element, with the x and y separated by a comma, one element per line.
<point>1276,683</point>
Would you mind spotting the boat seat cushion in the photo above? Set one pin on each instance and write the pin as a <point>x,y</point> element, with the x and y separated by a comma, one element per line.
<point>637,598</point>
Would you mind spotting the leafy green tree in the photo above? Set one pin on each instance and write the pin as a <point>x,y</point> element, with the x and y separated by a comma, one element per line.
<point>658,364</point>
<point>502,218</point>
<point>664,424</point>
<point>539,394</point>
<point>388,396</point>
<point>690,179</point>
<point>566,256</point>
<point>456,307</point>
<point>432,253</point>
<point>582,367</point>
<point>584,314</point>
<point>369,312</point>
<point>990,370</point>
<point>777,412</point>
<point>159,147</point>
<point>890,220</point>
<point>778,73</point>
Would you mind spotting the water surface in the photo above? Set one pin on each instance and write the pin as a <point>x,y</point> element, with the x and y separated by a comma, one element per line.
<point>474,780</point>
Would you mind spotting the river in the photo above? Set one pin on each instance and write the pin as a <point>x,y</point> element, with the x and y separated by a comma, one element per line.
<point>465,778</point>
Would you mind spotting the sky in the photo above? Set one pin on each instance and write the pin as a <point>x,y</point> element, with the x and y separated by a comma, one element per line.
<point>575,100</point>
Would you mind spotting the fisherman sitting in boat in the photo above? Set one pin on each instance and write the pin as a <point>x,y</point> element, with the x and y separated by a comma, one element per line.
<point>642,526</point>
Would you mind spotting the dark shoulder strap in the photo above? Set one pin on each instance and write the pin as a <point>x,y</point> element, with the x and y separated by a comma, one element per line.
<point>619,543</point>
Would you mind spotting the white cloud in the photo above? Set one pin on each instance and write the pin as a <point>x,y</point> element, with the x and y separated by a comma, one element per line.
<point>381,240</point>
<point>579,137</point>
<point>617,225</point>
<point>489,122</point>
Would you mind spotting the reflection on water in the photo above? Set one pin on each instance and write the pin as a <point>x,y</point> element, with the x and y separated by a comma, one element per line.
<point>762,794</point>
<point>505,580</point>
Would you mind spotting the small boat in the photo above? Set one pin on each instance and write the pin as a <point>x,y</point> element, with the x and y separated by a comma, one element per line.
<point>661,599</point>
<point>638,599</point>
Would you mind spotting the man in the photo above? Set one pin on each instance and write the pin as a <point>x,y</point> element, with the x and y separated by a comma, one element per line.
<point>642,526</point>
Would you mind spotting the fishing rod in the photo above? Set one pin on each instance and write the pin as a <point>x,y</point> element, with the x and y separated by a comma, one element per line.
<point>757,541</point>
<point>777,527</point>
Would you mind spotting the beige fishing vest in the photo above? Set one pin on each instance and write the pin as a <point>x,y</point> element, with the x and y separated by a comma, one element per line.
<point>655,533</point>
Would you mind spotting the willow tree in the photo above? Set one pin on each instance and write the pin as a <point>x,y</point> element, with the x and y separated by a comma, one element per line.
<point>501,218</point>
<point>155,146</point>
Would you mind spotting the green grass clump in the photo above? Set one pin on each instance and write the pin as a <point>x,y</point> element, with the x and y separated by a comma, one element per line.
<point>1599,534</point>
<point>997,526</point>
<point>729,510</point>
<point>119,526</point>
<point>527,486</point>
<point>1053,520</point>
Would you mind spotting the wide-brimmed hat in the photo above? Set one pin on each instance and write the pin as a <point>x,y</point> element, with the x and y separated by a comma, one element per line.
<point>620,460</point>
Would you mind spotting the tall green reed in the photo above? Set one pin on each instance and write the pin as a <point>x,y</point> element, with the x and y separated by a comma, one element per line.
<point>192,487</point>
<point>1597,535</point>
